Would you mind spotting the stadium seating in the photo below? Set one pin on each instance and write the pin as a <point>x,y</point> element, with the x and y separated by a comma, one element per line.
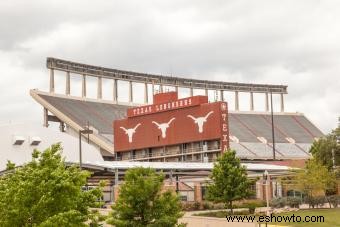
<point>246,127</point>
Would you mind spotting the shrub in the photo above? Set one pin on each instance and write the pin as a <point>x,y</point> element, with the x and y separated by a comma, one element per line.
<point>216,214</point>
<point>218,206</point>
<point>278,202</point>
<point>187,206</point>
<point>256,203</point>
<point>207,206</point>
<point>293,202</point>
<point>334,200</point>
<point>196,205</point>
<point>242,212</point>
<point>222,214</point>
<point>316,201</point>
<point>251,205</point>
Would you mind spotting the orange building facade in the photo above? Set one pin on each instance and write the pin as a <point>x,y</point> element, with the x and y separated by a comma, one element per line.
<point>172,129</point>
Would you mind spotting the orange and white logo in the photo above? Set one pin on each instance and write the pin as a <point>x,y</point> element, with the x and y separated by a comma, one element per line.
<point>200,121</point>
<point>130,131</point>
<point>163,126</point>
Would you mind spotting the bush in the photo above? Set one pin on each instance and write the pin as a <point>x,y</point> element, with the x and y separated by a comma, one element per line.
<point>242,212</point>
<point>207,206</point>
<point>187,206</point>
<point>278,202</point>
<point>218,206</point>
<point>191,206</point>
<point>222,214</point>
<point>248,203</point>
<point>316,201</point>
<point>290,201</point>
<point>252,208</point>
<point>216,214</point>
<point>196,205</point>
<point>251,205</point>
<point>293,202</point>
<point>334,200</point>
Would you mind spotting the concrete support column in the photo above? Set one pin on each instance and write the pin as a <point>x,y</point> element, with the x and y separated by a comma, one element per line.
<point>266,102</point>
<point>171,176</point>
<point>197,192</point>
<point>251,101</point>
<point>99,88</point>
<point>160,88</point>
<point>116,177</point>
<point>83,86</point>
<point>68,83</point>
<point>146,94</point>
<point>282,104</point>
<point>130,92</point>
<point>176,89</point>
<point>237,106</point>
<point>116,190</point>
<point>191,92</point>
<point>52,80</point>
<point>115,90</point>
<point>45,117</point>
<point>206,92</point>
<point>153,89</point>
<point>221,95</point>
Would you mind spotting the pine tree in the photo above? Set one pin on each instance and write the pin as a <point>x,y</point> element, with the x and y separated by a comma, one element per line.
<point>141,202</point>
<point>229,180</point>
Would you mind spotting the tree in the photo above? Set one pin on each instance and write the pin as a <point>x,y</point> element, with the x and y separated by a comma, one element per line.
<point>45,192</point>
<point>141,202</point>
<point>314,179</point>
<point>324,148</point>
<point>229,180</point>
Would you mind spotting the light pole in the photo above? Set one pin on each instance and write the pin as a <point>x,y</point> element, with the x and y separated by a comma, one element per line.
<point>272,116</point>
<point>266,177</point>
<point>85,131</point>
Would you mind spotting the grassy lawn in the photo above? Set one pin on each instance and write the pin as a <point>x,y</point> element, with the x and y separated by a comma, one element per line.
<point>331,217</point>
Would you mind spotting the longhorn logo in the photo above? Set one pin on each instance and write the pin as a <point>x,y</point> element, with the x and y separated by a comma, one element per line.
<point>163,127</point>
<point>130,131</point>
<point>200,121</point>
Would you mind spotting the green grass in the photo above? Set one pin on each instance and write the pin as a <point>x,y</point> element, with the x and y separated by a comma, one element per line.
<point>331,217</point>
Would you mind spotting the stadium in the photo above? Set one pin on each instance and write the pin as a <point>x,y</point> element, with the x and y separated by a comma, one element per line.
<point>165,132</point>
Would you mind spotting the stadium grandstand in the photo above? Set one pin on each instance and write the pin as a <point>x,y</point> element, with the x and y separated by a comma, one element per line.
<point>250,132</point>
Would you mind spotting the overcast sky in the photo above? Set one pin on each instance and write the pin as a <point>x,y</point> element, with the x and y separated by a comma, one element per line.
<point>296,43</point>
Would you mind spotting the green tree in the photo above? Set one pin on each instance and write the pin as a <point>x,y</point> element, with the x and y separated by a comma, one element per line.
<point>323,149</point>
<point>45,192</point>
<point>141,202</point>
<point>314,179</point>
<point>229,180</point>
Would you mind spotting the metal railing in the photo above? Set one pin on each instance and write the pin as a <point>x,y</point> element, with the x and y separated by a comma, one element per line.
<point>165,154</point>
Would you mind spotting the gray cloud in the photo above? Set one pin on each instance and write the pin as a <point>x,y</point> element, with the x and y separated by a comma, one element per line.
<point>281,42</point>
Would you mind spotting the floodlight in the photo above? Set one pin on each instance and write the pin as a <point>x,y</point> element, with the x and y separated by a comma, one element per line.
<point>18,140</point>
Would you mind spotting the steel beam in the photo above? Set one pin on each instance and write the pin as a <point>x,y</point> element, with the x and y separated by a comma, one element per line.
<point>51,80</point>
<point>68,84</point>
<point>78,68</point>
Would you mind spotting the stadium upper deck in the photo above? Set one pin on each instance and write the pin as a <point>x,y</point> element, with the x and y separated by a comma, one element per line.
<point>250,132</point>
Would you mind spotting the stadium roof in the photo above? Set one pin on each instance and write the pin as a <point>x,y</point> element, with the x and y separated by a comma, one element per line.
<point>79,68</point>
